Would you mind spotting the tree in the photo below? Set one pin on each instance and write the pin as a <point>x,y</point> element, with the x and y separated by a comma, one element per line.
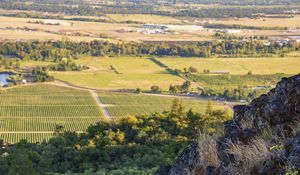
<point>193,70</point>
<point>173,89</point>
<point>155,89</point>
<point>177,107</point>
<point>208,108</point>
<point>138,90</point>
<point>186,86</point>
<point>20,164</point>
<point>59,130</point>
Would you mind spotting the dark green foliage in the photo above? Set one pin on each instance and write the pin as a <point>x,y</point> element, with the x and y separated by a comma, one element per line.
<point>56,51</point>
<point>68,65</point>
<point>40,74</point>
<point>20,162</point>
<point>138,90</point>
<point>155,89</point>
<point>184,88</point>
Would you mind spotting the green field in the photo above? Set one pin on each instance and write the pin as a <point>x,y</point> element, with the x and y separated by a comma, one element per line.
<point>33,112</point>
<point>129,73</point>
<point>122,104</point>
<point>237,66</point>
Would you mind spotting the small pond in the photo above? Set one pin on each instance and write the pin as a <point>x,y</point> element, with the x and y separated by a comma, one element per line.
<point>3,78</point>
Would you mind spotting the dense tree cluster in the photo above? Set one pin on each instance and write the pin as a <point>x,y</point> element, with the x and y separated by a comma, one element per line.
<point>7,63</point>
<point>40,74</point>
<point>135,144</point>
<point>184,88</point>
<point>66,65</point>
<point>55,51</point>
<point>83,10</point>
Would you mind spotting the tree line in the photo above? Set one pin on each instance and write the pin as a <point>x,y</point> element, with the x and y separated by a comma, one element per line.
<point>243,2</point>
<point>146,8</point>
<point>57,50</point>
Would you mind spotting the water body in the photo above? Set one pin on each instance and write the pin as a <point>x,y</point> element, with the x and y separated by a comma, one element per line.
<point>3,77</point>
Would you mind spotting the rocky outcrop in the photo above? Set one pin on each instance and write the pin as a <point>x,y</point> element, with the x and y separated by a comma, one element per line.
<point>186,163</point>
<point>277,112</point>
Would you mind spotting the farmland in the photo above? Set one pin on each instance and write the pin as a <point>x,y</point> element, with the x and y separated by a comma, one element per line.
<point>237,66</point>
<point>121,105</point>
<point>119,73</point>
<point>265,22</point>
<point>33,112</point>
<point>14,28</point>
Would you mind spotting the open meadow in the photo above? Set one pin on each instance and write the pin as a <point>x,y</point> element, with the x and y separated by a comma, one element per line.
<point>237,66</point>
<point>119,73</point>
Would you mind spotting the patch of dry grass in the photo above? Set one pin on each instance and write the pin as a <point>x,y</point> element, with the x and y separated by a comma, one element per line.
<point>208,151</point>
<point>247,156</point>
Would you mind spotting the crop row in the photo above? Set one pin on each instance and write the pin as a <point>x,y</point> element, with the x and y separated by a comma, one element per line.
<point>30,137</point>
<point>32,112</point>
<point>46,124</point>
<point>49,111</point>
<point>134,104</point>
<point>10,100</point>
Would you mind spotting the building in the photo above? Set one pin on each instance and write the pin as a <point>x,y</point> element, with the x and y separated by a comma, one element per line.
<point>173,28</point>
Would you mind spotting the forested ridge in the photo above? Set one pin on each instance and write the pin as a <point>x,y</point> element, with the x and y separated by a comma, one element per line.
<point>56,50</point>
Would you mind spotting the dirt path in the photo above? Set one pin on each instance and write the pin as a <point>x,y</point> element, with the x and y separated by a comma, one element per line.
<point>101,105</point>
